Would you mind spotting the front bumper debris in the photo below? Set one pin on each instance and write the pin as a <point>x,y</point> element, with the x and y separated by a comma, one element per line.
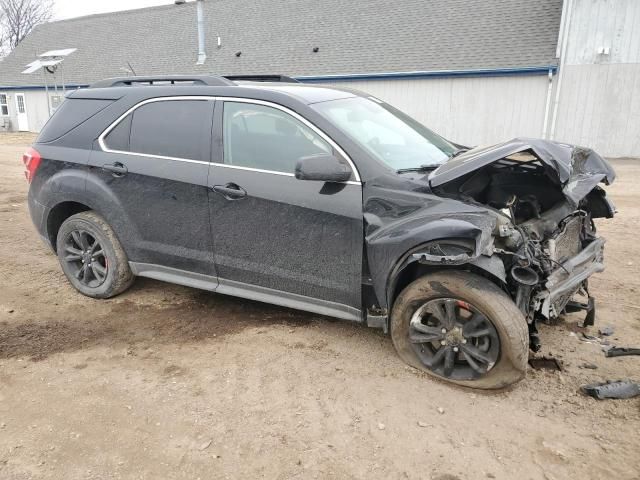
<point>567,279</point>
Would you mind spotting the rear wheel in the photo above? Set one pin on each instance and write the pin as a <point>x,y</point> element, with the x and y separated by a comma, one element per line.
<point>91,256</point>
<point>461,328</point>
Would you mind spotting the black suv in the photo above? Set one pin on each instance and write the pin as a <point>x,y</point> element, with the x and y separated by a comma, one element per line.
<point>326,200</point>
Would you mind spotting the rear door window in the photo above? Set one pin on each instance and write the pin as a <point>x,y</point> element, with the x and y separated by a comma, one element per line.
<point>169,128</point>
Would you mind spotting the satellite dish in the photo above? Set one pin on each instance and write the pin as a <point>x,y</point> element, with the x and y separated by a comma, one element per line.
<point>50,61</point>
<point>58,53</point>
<point>50,65</point>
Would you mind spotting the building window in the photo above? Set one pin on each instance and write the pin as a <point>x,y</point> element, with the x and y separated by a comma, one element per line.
<point>20,102</point>
<point>56,100</point>
<point>4,106</point>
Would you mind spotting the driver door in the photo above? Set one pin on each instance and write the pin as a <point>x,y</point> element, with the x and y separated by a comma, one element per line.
<point>278,239</point>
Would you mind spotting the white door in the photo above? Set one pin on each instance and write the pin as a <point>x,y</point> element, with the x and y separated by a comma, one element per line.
<point>21,107</point>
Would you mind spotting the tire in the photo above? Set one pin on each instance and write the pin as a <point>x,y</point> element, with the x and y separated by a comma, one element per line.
<point>480,308</point>
<point>84,238</point>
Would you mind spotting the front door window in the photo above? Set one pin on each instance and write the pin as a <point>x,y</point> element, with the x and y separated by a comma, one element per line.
<point>265,138</point>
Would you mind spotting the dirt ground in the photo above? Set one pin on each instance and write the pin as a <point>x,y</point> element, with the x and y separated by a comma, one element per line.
<point>166,382</point>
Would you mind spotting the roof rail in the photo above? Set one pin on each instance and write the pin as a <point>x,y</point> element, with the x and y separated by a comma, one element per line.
<point>170,79</point>
<point>262,78</point>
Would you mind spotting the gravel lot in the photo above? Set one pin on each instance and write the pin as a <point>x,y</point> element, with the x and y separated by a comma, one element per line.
<point>167,382</point>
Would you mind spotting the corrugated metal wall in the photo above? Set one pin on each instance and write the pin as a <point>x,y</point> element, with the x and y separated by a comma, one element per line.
<point>600,94</point>
<point>599,104</point>
<point>470,110</point>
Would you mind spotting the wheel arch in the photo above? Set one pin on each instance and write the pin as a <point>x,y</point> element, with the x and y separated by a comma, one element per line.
<point>96,196</point>
<point>58,214</point>
<point>409,267</point>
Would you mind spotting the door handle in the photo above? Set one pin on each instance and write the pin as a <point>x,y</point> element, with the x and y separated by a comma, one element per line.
<point>117,169</point>
<point>230,191</point>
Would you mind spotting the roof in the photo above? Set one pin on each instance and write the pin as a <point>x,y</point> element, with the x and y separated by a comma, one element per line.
<point>359,37</point>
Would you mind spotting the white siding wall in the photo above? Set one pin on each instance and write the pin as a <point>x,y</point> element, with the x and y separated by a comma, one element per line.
<point>600,94</point>
<point>36,102</point>
<point>470,110</point>
<point>37,109</point>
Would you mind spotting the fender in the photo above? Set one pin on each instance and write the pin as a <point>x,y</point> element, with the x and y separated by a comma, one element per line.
<point>79,186</point>
<point>407,223</point>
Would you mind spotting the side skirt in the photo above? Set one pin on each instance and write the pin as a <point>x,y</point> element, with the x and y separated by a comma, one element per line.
<point>244,290</point>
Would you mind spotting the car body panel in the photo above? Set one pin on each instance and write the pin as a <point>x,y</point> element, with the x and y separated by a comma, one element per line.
<point>310,234</point>
<point>578,169</point>
<point>400,218</point>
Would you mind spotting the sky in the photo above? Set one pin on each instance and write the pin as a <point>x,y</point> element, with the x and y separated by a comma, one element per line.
<point>79,8</point>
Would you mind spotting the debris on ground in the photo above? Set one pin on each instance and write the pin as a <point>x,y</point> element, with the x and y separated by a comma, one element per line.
<point>621,351</point>
<point>612,389</point>
<point>205,445</point>
<point>594,339</point>
<point>606,331</point>
<point>587,365</point>
<point>381,426</point>
<point>422,424</point>
<point>440,410</point>
<point>546,363</point>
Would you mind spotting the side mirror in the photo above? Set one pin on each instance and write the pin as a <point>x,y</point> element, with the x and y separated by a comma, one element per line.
<point>322,167</point>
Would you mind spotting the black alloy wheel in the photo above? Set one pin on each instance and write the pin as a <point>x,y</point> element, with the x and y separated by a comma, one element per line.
<point>454,339</point>
<point>85,257</point>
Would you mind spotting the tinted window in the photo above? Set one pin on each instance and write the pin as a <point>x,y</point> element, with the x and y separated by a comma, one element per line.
<point>263,137</point>
<point>118,138</point>
<point>172,128</point>
<point>71,113</point>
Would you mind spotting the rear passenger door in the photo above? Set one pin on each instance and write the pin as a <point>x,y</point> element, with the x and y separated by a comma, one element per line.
<point>278,239</point>
<point>153,166</point>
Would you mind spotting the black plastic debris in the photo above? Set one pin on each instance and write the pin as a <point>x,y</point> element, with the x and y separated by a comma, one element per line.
<point>589,307</point>
<point>612,389</point>
<point>546,363</point>
<point>621,351</point>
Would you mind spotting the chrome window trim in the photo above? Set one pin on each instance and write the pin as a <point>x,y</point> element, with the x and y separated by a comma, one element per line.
<point>266,103</point>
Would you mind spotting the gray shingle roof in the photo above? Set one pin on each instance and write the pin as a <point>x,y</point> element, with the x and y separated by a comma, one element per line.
<point>353,37</point>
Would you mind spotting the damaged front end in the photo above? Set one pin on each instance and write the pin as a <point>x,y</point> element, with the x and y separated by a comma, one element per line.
<point>543,197</point>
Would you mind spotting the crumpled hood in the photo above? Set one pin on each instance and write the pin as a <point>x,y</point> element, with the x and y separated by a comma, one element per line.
<point>578,169</point>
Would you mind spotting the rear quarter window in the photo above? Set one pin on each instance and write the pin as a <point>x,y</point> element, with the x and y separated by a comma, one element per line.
<point>71,113</point>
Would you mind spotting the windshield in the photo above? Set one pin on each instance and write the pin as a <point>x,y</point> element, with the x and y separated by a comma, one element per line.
<point>390,135</point>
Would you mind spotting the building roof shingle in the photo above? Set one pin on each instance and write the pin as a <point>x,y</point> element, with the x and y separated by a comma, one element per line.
<point>357,37</point>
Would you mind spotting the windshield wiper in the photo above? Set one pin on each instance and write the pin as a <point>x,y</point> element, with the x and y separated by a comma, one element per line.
<point>421,168</point>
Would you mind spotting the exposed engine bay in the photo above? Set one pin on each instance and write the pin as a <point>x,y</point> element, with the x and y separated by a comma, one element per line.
<point>544,231</point>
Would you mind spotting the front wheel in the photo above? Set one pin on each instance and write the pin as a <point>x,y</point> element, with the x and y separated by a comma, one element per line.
<point>91,256</point>
<point>461,328</point>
